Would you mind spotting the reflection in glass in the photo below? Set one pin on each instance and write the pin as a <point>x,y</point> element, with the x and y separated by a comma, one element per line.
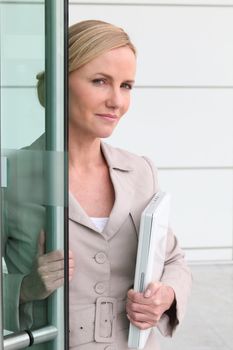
<point>22,121</point>
<point>23,197</point>
<point>32,149</point>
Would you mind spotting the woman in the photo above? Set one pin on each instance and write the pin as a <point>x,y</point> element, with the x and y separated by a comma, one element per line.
<point>106,200</point>
<point>109,188</point>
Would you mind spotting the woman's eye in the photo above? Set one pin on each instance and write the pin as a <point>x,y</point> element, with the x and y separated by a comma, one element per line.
<point>127,86</point>
<point>98,81</point>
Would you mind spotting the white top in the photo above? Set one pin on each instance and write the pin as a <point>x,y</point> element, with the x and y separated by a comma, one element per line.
<point>100,223</point>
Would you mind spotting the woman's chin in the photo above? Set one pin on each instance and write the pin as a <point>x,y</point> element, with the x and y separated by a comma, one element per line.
<point>105,133</point>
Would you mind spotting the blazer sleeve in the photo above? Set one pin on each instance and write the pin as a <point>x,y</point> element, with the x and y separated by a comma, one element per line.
<point>16,316</point>
<point>176,274</point>
<point>22,219</point>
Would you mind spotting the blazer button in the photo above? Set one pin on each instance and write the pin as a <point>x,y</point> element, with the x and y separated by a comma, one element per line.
<point>100,258</point>
<point>110,347</point>
<point>100,288</point>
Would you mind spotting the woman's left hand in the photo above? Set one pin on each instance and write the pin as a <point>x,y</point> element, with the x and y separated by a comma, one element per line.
<point>144,310</point>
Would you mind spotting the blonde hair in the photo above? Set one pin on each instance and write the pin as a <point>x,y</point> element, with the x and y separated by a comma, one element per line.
<point>88,40</point>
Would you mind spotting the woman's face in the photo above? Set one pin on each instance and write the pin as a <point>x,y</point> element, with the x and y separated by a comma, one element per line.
<point>99,92</point>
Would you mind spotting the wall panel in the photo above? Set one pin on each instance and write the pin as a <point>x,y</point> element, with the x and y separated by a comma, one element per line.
<point>179,127</point>
<point>202,206</point>
<point>208,255</point>
<point>177,45</point>
<point>164,3</point>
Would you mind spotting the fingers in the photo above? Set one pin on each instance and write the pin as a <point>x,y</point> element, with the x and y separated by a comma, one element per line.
<point>51,283</point>
<point>47,274</point>
<point>56,255</point>
<point>142,319</point>
<point>152,288</point>
<point>71,254</point>
<point>143,313</point>
<point>149,310</point>
<point>139,298</point>
<point>48,277</point>
<point>142,316</point>
<point>50,266</point>
<point>151,296</point>
<point>140,325</point>
<point>41,243</point>
<point>145,309</point>
<point>71,265</point>
<point>55,261</point>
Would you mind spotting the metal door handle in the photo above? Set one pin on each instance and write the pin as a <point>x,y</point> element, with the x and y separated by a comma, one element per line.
<point>22,339</point>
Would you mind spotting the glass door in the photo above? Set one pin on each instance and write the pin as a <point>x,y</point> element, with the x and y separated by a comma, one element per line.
<point>34,283</point>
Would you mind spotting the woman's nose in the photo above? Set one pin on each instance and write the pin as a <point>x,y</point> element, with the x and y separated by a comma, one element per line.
<point>114,99</point>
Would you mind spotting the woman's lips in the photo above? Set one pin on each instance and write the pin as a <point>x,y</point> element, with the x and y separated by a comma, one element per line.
<point>111,117</point>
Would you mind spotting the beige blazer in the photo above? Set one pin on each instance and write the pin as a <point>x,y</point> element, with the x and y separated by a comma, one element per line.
<point>105,261</point>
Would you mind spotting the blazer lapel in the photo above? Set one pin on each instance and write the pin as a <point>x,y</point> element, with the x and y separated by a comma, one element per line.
<point>121,175</point>
<point>123,201</point>
<point>76,213</point>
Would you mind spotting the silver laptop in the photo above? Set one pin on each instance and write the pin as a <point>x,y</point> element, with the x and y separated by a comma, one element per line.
<point>150,255</point>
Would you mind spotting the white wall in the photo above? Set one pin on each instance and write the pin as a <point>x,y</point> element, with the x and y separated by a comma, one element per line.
<point>182,109</point>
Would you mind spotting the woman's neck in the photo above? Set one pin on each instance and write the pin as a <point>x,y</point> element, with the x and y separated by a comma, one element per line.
<point>84,152</point>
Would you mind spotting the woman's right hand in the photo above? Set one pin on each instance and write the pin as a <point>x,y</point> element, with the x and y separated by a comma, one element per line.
<point>47,275</point>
